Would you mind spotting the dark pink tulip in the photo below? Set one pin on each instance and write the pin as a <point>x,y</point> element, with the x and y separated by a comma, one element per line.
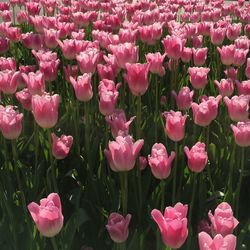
<point>48,215</point>
<point>33,8</point>
<point>35,82</point>
<point>223,221</point>
<point>88,60</point>
<point>50,38</point>
<point>197,157</point>
<point>225,86</point>
<point>61,146</point>
<point>7,64</point>
<point>137,78</point>
<point>108,93</point>
<point>49,69</point>
<point>45,109</point>
<point>33,41</point>
<point>243,87</point>
<point>125,53</point>
<point>175,125</point>
<point>204,226</point>
<point>173,46</point>
<point>227,54</point>
<point>14,34</point>
<point>173,225</point>
<point>217,243</point>
<point>4,45</point>
<point>155,61</point>
<point>80,35</point>
<point>186,55</point>
<point>197,41</point>
<point>217,35</point>
<point>238,107</point>
<point>231,73</point>
<point>22,17</point>
<point>240,56</point>
<point>106,72</point>
<point>143,162</point>
<point>127,35</point>
<point>6,15</point>
<point>233,31</point>
<point>42,55</point>
<point>122,153</point>
<point>200,56</point>
<point>198,76</point>
<point>242,133</point>
<point>159,161</point>
<point>247,29</point>
<point>8,81</point>
<point>247,69</point>
<point>82,87</point>
<point>10,122</point>
<point>118,227</point>
<point>118,123</point>
<point>24,97</point>
<point>184,98</point>
<point>242,43</point>
<point>38,22</point>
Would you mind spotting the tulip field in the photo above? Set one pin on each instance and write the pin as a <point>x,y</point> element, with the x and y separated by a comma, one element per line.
<point>124,125</point>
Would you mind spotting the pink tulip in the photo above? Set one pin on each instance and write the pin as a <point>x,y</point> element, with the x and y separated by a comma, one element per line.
<point>231,73</point>
<point>108,93</point>
<point>10,122</point>
<point>106,72</point>
<point>48,215</point>
<point>70,48</point>
<point>186,55</point>
<point>233,31</point>
<point>240,56</point>
<point>4,45</point>
<point>243,87</point>
<point>198,76</point>
<point>35,82</point>
<point>7,64</point>
<point>33,8</point>
<point>118,123</point>
<point>32,41</point>
<point>184,98</point>
<point>125,53</point>
<point>122,153</point>
<point>70,70</point>
<point>118,227</point>
<point>137,78</point>
<point>50,38</point>
<point>155,61</point>
<point>14,34</point>
<point>61,146</point>
<point>223,221</point>
<point>159,161</point>
<point>24,97</point>
<point>45,109</point>
<point>151,33</point>
<point>217,35</point>
<point>8,81</point>
<point>88,60</point>
<point>175,125</point>
<point>197,41</point>
<point>49,69</point>
<point>127,35</point>
<point>238,107</point>
<point>173,46</point>
<point>143,162</point>
<point>173,225</point>
<point>225,86</point>
<point>242,133</point>
<point>200,56</point>
<point>242,43</point>
<point>227,54</point>
<point>82,87</point>
<point>197,157</point>
<point>22,17</point>
<point>218,243</point>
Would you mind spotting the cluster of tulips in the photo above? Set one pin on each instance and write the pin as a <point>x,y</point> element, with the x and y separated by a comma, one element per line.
<point>72,72</point>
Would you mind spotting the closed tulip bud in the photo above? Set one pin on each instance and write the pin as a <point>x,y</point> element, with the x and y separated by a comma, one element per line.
<point>200,56</point>
<point>238,107</point>
<point>122,153</point>
<point>243,87</point>
<point>61,146</point>
<point>173,225</point>
<point>159,161</point>
<point>35,82</point>
<point>156,63</point>
<point>118,227</point>
<point>24,97</point>
<point>184,98</point>
<point>198,77</point>
<point>173,46</point>
<point>197,157</point>
<point>242,133</point>
<point>227,54</point>
<point>137,78</point>
<point>45,109</point>
<point>223,221</point>
<point>175,125</point>
<point>118,123</point>
<point>48,215</point>
<point>83,87</point>
<point>10,122</point>
<point>225,86</point>
<point>217,243</point>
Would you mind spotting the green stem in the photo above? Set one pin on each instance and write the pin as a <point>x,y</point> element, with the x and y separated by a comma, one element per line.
<point>156,105</point>
<point>192,199</point>
<point>175,172</point>
<point>86,137</point>
<point>138,118</point>
<point>53,242</point>
<point>124,191</point>
<point>237,196</point>
<point>162,194</point>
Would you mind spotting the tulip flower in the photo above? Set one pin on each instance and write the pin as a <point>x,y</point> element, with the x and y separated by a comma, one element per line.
<point>156,63</point>
<point>242,133</point>
<point>225,86</point>
<point>173,46</point>
<point>61,146</point>
<point>184,98</point>
<point>200,56</point>
<point>24,97</point>
<point>198,77</point>
<point>243,87</point>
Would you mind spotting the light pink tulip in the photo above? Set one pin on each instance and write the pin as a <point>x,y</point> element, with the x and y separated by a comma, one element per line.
<point>242,133</point>
<point>225,86</point>
<point>243,87</point>
<point>184,98</point>
<point>118,227</point>
<point>217,35</point>
<point>159,161</point>
<point>198,76</point>
<point>155,61</point>
<point>35,82</point>
<point>227,54</point>
<point>122,153</point>
<point>173,46</point>
<point>186,55</point>
<point>48,215</point>
<point>240,56</point>
<point>233,31</point>
<point>49,69</point>
<point>200,56</point>
<point>24,97</point>
<point>8,81</point>
<point>61,146</point>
